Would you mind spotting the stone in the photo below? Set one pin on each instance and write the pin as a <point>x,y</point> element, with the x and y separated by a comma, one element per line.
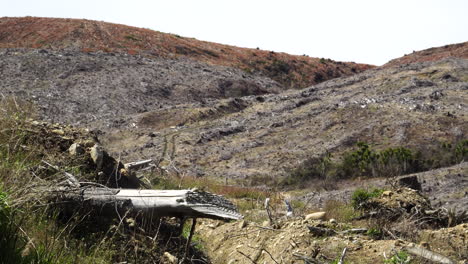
<point>316,216</point>
<point>171,258</point>
<point>242,224</point>
<point>97,155</point>
<point>76,149</point>
<point>58,132</point>
<point>332,221</point>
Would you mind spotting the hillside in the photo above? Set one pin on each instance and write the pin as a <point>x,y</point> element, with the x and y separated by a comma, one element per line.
<point>459,50</point>
<point>373,164</point>
<point>79,88</point>
<point>418,106</point>
<point>90,36</point>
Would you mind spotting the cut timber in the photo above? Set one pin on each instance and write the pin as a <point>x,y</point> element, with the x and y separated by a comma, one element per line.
<point>178,203</point>
<point>427,254</point>
<point>138,165</point>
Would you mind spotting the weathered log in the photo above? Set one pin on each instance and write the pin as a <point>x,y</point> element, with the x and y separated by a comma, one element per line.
<point>178,203</point>
<point>427,254</point>
<point>138,165</point>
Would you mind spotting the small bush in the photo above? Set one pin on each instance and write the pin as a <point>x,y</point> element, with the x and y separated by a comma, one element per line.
<point>361,195</point>
<point>364,161</point>
<point>374,233</point>
<point>400,257</point>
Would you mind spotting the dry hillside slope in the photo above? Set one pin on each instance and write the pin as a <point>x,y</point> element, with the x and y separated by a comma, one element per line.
<point>459,50</point>
<point>418,106</point>
<point>88,35</point>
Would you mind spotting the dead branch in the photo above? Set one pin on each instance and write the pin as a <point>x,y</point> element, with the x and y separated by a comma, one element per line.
<point>307,260</point>
<point>245,255</point>
<point>138,165</point>
<point>187,203</point>
<point>427,254</point>
<point>321,231</point>
<point>343,255</point>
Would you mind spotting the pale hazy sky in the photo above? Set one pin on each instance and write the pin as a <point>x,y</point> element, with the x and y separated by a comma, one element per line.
<point>366,31</point>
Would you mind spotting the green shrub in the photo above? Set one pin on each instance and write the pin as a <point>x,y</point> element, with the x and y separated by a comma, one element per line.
<point>364,161</point>
<point>400,257</point>
<point>375,233</point>
<point>362,195</point>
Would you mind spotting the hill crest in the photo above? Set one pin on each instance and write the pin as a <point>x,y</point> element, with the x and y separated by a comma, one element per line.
<point>291,71</point>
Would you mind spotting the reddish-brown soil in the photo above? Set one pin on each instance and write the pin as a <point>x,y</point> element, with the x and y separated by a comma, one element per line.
<point>88,35</point>
<point>459,50</point>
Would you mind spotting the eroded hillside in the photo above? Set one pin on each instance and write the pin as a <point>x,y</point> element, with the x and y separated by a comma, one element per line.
<point>417,106</point>
<point>87,35</point>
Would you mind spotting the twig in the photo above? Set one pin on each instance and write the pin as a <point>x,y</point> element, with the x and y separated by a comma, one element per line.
<point>306,259</point>
<point>72,180</point>
<point>343,255</point>
<point>267,208</point>
<point>243,254</point>
<point>270,256</point>
<point>187,245</point>
<point>269,228</point>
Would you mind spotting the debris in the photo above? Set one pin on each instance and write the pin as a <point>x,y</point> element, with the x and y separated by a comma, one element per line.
<point>321,231</point>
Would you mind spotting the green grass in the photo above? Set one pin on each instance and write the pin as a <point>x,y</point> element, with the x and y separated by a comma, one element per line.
<point>400,257</point>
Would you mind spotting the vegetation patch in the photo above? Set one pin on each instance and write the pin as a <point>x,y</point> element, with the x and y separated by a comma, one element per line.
<point>364,161</point>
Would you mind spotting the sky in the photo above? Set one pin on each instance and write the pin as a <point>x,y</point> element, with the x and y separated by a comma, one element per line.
<point>364,31</point>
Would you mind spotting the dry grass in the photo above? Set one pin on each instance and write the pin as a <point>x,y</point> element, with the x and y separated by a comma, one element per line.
<point>36,229</point>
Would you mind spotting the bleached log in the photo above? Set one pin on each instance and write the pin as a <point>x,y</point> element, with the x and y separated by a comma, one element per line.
<point>138,165</point>
<point>427,254</point>
<point>178,203</point>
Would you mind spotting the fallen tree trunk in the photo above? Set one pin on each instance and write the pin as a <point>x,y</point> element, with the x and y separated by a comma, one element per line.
<point>178,203</point>
<point>427,254</point>
<point>138,165</point>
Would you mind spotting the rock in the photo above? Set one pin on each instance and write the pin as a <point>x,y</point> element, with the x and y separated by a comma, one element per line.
<point>316,216</point>
<point>97,155</point>
<point>76,149</point>
<point>58,132</point>
<point>171,258</point>
<point>387,193</point>
<point>332,221</point>
<point>242,224</point>
<point>130,222</point>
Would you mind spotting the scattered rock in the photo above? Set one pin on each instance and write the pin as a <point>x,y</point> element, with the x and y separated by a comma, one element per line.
<point>58,132</point>
<point>76,149</point>
<point>316,216</point>
<point>242,224</point>
<point>97,155</point>
<point>171,258</point>
<point>387,193</point>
